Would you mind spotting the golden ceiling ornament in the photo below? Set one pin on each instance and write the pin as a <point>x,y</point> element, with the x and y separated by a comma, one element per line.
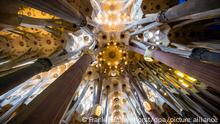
<point>112,56</point>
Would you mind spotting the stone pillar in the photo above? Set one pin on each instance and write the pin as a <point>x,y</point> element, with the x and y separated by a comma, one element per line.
<point>99,90</point>
<point>50,106</point>
<point>16,78</point>
<point>206,73</point>
<point>58,8</point>
<point>97,100</point>
<point>153,113</point>
<point>188,8</point>
<point>106,110</point>
<point>137,50</point>
<point>205,55</point>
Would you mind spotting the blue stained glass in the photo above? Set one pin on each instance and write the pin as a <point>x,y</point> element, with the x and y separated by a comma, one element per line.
<point>182,1</point>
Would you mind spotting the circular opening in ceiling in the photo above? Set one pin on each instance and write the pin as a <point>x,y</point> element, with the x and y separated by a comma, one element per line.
<point>104,37</point>
<point>89,72</point>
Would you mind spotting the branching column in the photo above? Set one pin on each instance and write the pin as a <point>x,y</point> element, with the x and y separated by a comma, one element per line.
<point>14,79</point>
<point>51,104</point>
<point>152,112</point>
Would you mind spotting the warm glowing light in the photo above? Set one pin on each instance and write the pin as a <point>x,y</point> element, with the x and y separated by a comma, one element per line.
<point>191,79</point>
<point>98,110</point>
<point>165,94</point>
<point>113,73</point>
<point>97,66</point>
<point>181,81</point>
<point>148,59</point>
<point>109,63</point>
<point>185,85</point>
<point>180,74</point>
<point>109,2</point>
<point>147,106</point>
<point>111,19</point>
